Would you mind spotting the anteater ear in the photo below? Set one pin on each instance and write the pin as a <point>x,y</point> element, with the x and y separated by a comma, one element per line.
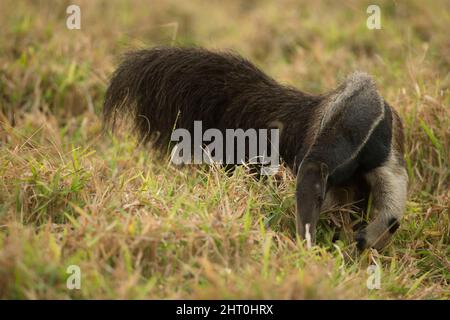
<point>312,174</point>
<point>277,124</point>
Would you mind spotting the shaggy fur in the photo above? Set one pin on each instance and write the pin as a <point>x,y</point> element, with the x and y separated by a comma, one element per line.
<point>330,141</point>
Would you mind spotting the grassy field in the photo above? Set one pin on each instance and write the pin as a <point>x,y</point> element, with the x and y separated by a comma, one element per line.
<point>139,227</point>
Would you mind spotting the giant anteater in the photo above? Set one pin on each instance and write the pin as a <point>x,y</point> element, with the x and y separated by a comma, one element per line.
<point>329,141</point>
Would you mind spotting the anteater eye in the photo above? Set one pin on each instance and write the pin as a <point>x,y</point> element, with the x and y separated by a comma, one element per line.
<point>319,198</point>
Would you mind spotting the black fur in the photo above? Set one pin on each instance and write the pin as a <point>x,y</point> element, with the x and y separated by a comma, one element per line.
<point>393,225</point>
<point>361,240</point>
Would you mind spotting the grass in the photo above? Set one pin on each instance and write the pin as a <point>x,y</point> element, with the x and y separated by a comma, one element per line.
<point>139,227</point>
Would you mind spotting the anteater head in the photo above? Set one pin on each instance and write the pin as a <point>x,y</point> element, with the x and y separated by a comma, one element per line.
<point>311,188</point>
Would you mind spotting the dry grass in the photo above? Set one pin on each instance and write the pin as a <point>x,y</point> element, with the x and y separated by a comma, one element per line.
<point>140,228</point>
